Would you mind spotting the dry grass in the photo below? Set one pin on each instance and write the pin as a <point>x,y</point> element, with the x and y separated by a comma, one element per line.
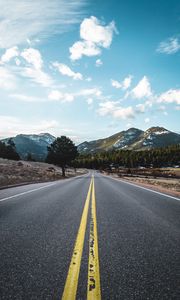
<point>165,180</point>
<point>166,185</point>
<point>17,172</point>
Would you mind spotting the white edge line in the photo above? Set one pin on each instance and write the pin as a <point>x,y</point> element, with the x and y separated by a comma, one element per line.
<point>40,188</point>
<point>21,194</point>
<point>141,187</point>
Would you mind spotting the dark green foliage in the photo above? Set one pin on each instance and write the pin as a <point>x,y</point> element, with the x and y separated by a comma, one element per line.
<point>8,150</point>
<point>30,157</point>
<point>160,157</point>
<point>62,152</point>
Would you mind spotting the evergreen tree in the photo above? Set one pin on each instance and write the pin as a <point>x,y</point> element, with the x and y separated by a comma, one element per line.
<point>62,152</point>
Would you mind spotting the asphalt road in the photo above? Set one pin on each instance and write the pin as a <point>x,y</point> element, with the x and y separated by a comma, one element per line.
<point>136,245</point>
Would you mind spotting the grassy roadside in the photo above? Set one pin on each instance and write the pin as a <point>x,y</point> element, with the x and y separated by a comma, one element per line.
<point>170,186</point>
<point>19,172</point>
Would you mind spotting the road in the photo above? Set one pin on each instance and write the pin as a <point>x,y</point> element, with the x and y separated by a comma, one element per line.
<point>89,237</point>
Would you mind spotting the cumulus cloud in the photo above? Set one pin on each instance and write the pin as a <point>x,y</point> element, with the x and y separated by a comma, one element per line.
<point>127,82</point>
<point>94,36</point>
<point>81,48</point>
<point>116,84</point>
<point>124,85</point>
<point>7,80</point>
<point>33,57</point>
<point>26,20</point>
<point>143,89</point>
<point>11,126</point>
<point>56,95</point>
<point>170,96</point>
<point>99,62</point>
<point>65,70</point>
<point>9,54</point>
<point>113,109</point>
<point>90,92</point>
<point>33,68</point>
<point>170,46</point>
<point>38,76</point>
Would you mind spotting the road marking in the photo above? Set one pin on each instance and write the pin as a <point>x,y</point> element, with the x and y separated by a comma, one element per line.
<point>141,187</point>
<point>70,288</point>
<point>93,286</point>
<point>24,193</point>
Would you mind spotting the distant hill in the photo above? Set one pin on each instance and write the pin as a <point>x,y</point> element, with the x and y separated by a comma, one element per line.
<point>132,139</point>
<point>36,144</point>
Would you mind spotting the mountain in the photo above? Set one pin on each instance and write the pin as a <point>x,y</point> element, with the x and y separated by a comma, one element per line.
<point>36,144</point>
<point>132,139</point>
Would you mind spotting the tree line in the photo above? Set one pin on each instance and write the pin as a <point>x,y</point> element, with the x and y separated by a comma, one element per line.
<point>63,152</point>
<point>8,150</point>
<point>159,157</point>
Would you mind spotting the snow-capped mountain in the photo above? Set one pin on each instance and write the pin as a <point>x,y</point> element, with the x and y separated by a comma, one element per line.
<point>132,139</point>
<point>35,144</point>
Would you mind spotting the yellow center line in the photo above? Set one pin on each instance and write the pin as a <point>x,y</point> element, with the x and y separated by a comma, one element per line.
<point>93,286</point>
<point>70,288</point>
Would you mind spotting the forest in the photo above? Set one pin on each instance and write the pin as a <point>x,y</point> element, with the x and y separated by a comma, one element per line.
<point>155,158</point>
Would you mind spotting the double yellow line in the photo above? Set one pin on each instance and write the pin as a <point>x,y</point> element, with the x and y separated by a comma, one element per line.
<point>93,282</point>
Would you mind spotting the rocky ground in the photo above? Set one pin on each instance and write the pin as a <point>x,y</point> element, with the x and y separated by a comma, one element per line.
<point>19,172</point>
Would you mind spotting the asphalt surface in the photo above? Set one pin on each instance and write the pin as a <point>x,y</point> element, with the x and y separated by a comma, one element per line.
<point>138,237</point>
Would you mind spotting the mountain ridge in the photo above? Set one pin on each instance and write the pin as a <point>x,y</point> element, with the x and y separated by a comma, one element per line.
<point>130,139</point>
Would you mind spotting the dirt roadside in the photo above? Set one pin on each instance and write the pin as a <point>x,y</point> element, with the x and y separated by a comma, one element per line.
<point>13,173</point>
<point>166,185</point>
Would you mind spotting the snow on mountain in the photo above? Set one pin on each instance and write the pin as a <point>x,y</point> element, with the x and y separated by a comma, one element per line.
<point>132,139</point>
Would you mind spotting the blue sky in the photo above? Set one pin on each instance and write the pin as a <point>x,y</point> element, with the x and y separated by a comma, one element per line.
<point>88,69</point>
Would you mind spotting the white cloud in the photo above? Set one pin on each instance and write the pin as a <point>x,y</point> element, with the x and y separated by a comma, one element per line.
<point>65,70</point>
<point>9,54</point>
<point>7,80</point>
<point>143,89</point>
<point>86,48</point>
<point>27,98</point>
<point>127,82</point>
<point>89,79</point>
<point>94,36</point>
<point>99,62</point>
<point>124,85</point>
<point>89,101</point>
<point>56,95</point>
<point>140,108</point>
<point>171,96</point>
<point>146,120</point>
<point>92,30</point>
<point>33,57</point>
<point>32,69</point>
<point>90,92</point>
<point>116,84</point>
<point>170,46</point>
<point>25,20</point>
<point>37,76</point>
<point>11,126</point>
<point>113,109</point>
